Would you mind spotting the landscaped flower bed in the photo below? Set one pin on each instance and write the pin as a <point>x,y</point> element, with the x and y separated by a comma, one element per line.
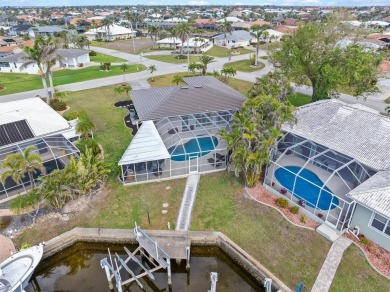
<point>259,193</point>
<point>376,255</point>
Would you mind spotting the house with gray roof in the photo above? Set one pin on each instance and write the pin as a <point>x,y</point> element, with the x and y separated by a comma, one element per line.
<point>334,163</point>
<point>178,130</point>
<point>69,58</point>
<point>46,31</point>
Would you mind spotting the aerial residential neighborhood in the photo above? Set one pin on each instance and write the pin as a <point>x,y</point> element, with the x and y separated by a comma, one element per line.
<point>200,147</point>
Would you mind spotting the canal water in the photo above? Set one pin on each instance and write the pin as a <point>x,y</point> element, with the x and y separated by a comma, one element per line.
<point>78,269</point>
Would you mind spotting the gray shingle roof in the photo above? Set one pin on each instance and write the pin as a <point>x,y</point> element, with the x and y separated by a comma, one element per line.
<point>66,53</point>
<point>202,94</point>
<point>353,130</point>
<point>49,29</point>
<point>374,193</point>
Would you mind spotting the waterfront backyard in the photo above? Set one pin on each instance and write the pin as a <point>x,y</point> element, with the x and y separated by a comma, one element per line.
<point>293,254</point>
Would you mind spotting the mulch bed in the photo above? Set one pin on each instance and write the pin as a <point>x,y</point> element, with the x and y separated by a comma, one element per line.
<point>259,193</point>
<point>376,255</point>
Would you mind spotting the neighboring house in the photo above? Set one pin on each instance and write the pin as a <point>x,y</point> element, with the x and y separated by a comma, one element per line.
<point>232,19</point>
<point>179,132</point>
<point>205,23</point>
<point>31,122</point>
<point>19,30</point>
<point>175,20</point>
<point>335,164</point>
<point>46,31</point>
<point>114,32</point>
<point>71,58</point>
<point>260,23</point>
<point>235,38</point>
<point>198,45</point>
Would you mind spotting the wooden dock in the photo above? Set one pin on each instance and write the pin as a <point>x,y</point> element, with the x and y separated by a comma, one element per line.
<point>174,246</point>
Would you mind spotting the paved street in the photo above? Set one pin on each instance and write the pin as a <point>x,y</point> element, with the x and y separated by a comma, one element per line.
<point>375,101</point>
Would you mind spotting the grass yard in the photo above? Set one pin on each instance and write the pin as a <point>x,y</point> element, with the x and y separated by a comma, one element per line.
<point>103,58</point>
<point>173,59</point>
<point>293,254</point>
<point>356,274</point>
<point>221,52</point>
<point>166,80</point>
<point>121,206</point>
<point>244,66</point>
<point>18,82</point>
<point>299,99</point>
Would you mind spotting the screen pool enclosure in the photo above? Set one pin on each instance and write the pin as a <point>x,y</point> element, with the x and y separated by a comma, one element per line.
<point>176,146</point>
<point>55,152</point>
<point>315,177</point>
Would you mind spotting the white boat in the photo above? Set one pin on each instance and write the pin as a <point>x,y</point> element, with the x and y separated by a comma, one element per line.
<point>16,271</point>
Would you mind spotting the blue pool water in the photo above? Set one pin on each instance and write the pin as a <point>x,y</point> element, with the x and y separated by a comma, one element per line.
<point>304,189</point>
<point>192,148</point>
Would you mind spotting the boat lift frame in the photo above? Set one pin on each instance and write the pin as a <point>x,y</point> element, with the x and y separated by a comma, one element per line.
<point>156,256</point>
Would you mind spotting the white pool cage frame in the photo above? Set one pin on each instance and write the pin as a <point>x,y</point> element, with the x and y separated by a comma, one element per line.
<point>338,172</point>
<point>160,149</point>
<point>55,150</point>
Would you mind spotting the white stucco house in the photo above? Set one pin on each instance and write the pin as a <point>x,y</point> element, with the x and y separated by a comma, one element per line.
<point>114,32</point>
<point>70,58</point>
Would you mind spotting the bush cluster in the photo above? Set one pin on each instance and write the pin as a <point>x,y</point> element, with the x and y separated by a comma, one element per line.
<point>74,114</point>
<point>92,53</point>
<point>57,104</point>
<point>282,202</point>
<point>294,209</point>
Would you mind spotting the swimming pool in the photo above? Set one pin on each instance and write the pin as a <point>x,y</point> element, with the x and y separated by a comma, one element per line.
<point>304,189</point>
<point>190,149</point>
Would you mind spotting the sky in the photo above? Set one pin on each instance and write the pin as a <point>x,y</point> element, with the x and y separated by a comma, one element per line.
<point>194,2</point>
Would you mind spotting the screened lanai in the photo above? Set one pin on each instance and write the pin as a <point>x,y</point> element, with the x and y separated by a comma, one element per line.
<point>315,177</point>
<point>177,146</point>
<point>55,152</point>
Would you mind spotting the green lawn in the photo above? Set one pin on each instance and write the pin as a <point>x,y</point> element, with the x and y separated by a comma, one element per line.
<point>173,59</point>
<point>356,274</point>
<point>244,66</point>
<point>103,58</point>
<point>166,80</point>
<point>293,254</point>
<point>221,52</point>
<point>18,82</point>
<point>299,99</point>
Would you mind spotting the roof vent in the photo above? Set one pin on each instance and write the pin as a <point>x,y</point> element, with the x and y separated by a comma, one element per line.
<point>198,86</point>
<point>183,87</point>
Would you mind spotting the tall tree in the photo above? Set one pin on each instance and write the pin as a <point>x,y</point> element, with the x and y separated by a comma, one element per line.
<point>152,69</point>
<point>107,23</point>
<point>254,131</point>
<point>274,84</point>
<point>205,60</point>
<point>184,30</point>
<point>82,42</point>
<point>317,53</point>
<point>258,32</point>
<point>225,27</point>
<point>153,31</point>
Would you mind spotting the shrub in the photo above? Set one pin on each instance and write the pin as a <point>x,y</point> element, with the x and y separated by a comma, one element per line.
<point>252,59</point>
<point>74,114</point>
<point>371,248</point>
<point>92,53</point>
<point>181,57</point>
<point>282,202</point>
<point>81,65</point>
<point>24,246</point>
<point>5,222</point>
<point>90,144</point>
<point>364,240</point>
<point>294,209</point>
<point>2,87</point>
<point>303,218</point>
<point>57,104</point>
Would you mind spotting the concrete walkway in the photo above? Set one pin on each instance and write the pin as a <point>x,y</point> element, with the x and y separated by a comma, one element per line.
<point>330,265</point>
<point>187,203</point>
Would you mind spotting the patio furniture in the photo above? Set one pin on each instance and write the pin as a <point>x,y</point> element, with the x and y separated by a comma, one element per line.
<point>302,203</point>
<point>157,172</point>
<point>283,191</point>
<point>220,157</point>
<point>172,131</point>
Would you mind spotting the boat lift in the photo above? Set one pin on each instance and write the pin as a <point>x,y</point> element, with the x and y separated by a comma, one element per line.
<point>157,258</point>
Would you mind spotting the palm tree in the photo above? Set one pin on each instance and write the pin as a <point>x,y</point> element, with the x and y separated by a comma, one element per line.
<point>35,55</point>
<point>258,32</point>
<point>124,88</point>
<point>124,67</point>
<point>183,31</point>
<point>225,27</point>
<point>205,60</point>
<point>177,79</point>
<point>153,31</point>
<point>82,42</point>
<point>173,32</point>
<point>12,170</point>
<point>130,18</point>
<point>107,23</point>
<point>84,126</point>
<point>152,68</point>
<point>228,72</point>
<point>192,67</point>
<point>24,162</point>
